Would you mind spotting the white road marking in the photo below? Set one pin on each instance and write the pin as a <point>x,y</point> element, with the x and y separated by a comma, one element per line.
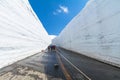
<point>74,65</point>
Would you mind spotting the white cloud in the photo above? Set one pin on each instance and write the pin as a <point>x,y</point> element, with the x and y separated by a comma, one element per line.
<point>64,9</point>
<point>61,9</point>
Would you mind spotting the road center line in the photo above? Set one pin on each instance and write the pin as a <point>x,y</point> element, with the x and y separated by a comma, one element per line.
<point>74,66</point>
<point>67,75</point>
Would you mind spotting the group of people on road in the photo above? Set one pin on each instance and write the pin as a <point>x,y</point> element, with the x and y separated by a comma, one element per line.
<point>52,48</point>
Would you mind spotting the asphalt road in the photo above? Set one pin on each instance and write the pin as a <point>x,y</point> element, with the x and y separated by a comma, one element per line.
<point>36,67</point>
<point>59,65</point>
<point>96,70</point>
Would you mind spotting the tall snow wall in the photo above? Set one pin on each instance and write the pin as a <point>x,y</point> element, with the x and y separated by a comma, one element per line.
<point>94,32</point>
<point>21,32</point>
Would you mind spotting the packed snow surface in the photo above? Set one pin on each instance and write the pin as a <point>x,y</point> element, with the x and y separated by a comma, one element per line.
<point>21,32</point>
<point>52,36</point>
<point>95,31</point>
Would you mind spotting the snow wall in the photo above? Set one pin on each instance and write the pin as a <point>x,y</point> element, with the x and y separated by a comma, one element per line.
<point>21,32</point>
<point>94,32</point>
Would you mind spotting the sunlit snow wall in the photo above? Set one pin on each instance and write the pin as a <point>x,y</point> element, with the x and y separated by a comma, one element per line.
<point>21,32</point>
<point>95,31</point>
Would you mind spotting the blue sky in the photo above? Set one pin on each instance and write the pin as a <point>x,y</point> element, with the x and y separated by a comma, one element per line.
<point>56,14</point>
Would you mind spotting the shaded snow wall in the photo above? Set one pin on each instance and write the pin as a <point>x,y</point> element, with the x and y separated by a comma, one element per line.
<point>21,32</point>
<point>95,31</point>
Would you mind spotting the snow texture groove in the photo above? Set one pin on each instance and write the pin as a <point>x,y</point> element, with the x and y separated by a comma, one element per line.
<point>21,32</point>
<point>94,32</point>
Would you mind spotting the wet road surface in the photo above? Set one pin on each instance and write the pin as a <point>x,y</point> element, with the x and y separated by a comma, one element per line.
<point>36,67</point>
<point>96,70</point>
<point>59,65</point>
<point>41,66</point>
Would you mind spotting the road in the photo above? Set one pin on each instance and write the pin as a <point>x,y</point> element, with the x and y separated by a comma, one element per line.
<point>96,70</point>
<point>36,67</point>
<point>70,66</point>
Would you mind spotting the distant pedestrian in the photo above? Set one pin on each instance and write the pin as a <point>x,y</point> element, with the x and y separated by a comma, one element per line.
<point>49,48</point>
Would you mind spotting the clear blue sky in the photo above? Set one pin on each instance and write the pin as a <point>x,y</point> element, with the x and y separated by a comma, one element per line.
<point>56,14</point>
